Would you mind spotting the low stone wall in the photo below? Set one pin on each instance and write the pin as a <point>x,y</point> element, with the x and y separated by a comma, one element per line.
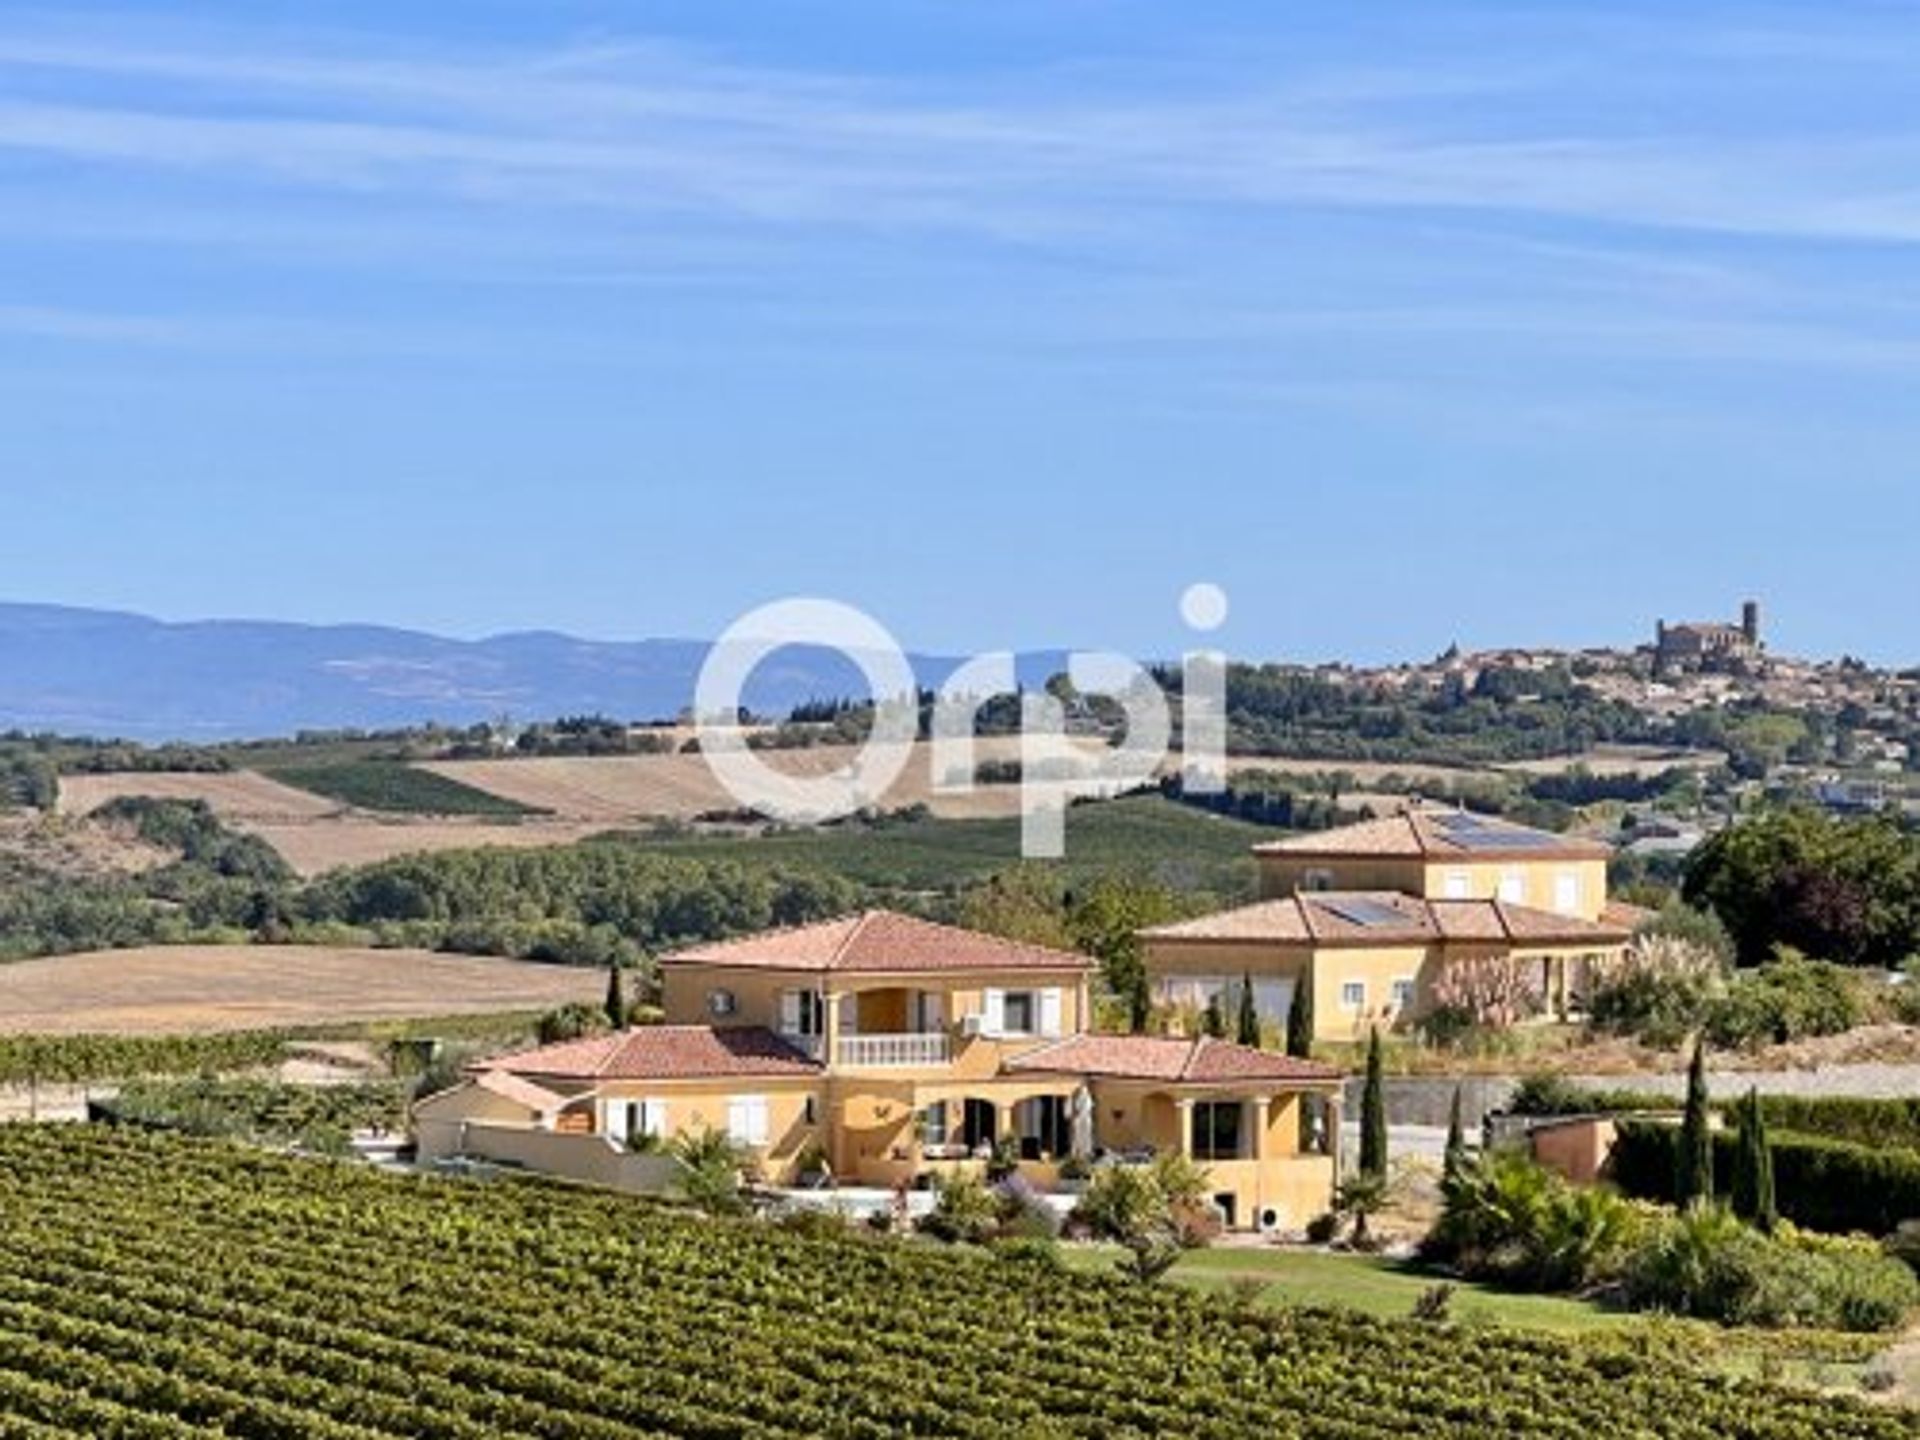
<point>1425,1100</point>
<point>49,1102</point>
<point>592,1159</point>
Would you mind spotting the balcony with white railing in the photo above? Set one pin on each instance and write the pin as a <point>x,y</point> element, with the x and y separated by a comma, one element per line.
<point>899,1051</point>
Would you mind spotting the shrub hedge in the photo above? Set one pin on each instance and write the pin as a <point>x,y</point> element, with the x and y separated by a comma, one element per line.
<point>1836,1186</point>
<point>1890,1123</point>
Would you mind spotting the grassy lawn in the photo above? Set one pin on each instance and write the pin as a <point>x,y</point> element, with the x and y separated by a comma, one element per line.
<point>1388,1289</point>
<point>1366,1283</point>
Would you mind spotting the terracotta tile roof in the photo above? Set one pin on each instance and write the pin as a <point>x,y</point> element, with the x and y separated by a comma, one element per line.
<point>1267,920</point>
<point>662,1052</point>
<point>1627,917</point>
<point>878,942</point>
<point>1367,915</point>
<point>1386,917</point>
<point>1436,834</point>
<point>1388,835</point>
<point>509,1086</point>
<point>1201,1061</point>
<point>1469,919</point>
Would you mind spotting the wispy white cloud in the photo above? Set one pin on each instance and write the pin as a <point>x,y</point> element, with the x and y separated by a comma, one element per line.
<point>654,130</point>
<point>1161,190</point>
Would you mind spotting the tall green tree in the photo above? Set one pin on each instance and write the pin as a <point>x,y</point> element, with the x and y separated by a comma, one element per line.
<point>1753,1196</point>
<point>1247,1021</point>
<point>1373,1112</point>
<point>1456,1156</point>
<point>616,1002</point>
<point>1693,1163</point>
<point>1300,1019</point>
<point>1846,890</point>
<point>1213,1020</point>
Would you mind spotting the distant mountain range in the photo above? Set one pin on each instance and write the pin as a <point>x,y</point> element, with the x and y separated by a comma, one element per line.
<point>110,674</point>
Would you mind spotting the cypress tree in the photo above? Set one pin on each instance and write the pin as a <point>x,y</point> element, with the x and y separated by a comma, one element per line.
<point>1766,1213</point>
<point>1753,1198</point>
<point>1214,1021</point>
<point>1693,1165</point>
<point>1247,1022</point>
<point>1456,1142</point>
<point>1139,1003</point>
<point>1300,1019</point>
<point>616,996</point>
<point>1373,1113</point>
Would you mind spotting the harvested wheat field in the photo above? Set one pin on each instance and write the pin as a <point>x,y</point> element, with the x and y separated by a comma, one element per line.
<point>184,989</point>
<point>234,795</point>
<point>622,789</point>
<point>1642,760</point>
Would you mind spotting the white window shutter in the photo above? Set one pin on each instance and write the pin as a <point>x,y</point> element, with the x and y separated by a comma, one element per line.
<point>613,1118</point>
<point>849,1014</point>
<point>1050,1012</point>
<point>933,1010</point>
<point>653,1118</point>
<point>790,1012</point>
<point>993,1020</point>
<point>747,1119</point>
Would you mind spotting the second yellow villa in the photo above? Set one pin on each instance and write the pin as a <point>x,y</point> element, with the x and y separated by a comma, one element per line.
<point>899,1051</point>
<point>1372,919</point>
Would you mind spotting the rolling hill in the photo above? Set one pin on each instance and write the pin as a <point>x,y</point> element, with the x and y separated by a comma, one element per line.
<point>119,675</point>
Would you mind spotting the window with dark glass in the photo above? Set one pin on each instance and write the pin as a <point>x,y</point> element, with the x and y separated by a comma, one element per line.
<point>1216,1129</point>
<point>1045,1125</point>
<point>1017,1016</point>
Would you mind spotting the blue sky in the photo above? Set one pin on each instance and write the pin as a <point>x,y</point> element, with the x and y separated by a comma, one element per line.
<point>1005,321</point>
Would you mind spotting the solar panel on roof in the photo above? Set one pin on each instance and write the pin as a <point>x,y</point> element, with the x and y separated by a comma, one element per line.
<point>1471,830</point>
<point>1364,912</point>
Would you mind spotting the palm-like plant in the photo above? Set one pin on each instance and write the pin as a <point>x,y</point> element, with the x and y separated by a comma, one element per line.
<point>710,1167</point>
<point>1584,1234</point>
<point>1510,1218</point>
<point>1361,1197</point>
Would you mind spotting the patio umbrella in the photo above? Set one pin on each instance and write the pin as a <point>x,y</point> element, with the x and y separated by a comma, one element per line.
<point>1083,1122</point>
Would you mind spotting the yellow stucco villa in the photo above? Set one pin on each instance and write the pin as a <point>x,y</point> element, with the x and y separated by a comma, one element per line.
<point>898,1050</point>
<point>1387,919</point>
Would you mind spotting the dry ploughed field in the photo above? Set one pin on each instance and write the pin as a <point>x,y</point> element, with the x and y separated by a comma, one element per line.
<point>233,795</point>
<point>312,833</point>
<point>187,989</point>
<point>161,1286</point>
